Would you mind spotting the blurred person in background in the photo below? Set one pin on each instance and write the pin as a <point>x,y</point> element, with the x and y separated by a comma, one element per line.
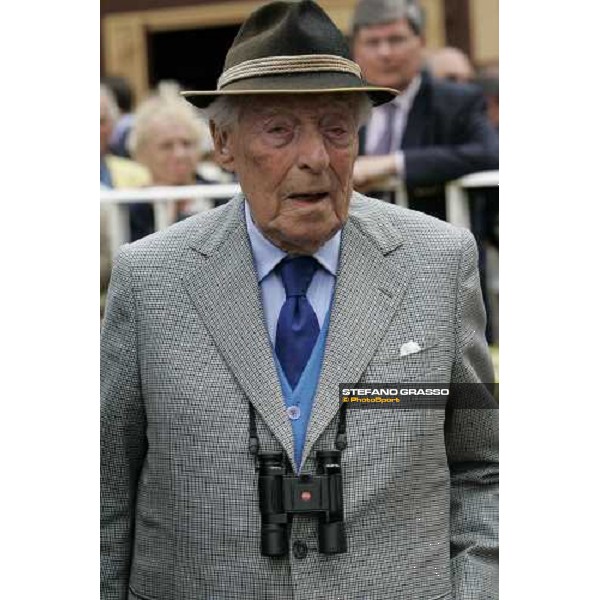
<point>485,202</point>
<point>451,64</point>
<point>488,79</point>
<point>169,139</point>
<point>115,172</point>
<point>434,131</point>
<point>123,94</point>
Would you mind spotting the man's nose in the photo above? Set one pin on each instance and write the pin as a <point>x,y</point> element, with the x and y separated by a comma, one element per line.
<point>384,49</point>
<point>312,153</point>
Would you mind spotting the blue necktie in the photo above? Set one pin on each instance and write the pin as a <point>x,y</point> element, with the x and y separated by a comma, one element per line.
<point>297,327</point>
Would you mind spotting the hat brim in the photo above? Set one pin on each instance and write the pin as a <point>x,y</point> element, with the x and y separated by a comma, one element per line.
<point>297,83</point>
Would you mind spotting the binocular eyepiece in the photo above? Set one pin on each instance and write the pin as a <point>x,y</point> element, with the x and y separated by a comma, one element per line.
<point>282,495</point>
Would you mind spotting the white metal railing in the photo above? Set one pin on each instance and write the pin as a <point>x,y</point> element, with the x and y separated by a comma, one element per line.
<point>457,200</point>
<point>162,198</point>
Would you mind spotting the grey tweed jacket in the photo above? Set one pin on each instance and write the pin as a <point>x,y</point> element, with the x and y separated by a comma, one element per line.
<point>185,348</point>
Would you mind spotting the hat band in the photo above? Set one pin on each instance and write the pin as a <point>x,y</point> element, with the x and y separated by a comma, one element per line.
<point>276,65</point>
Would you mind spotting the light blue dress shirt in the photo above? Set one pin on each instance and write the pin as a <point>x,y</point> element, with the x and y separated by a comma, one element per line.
<point>267,256</point>
<point>298,402</point>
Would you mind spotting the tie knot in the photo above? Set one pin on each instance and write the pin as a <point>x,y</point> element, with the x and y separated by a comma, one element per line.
<point>296,274</point>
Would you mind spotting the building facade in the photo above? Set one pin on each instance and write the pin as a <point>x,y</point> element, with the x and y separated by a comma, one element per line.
<point>149,40</point>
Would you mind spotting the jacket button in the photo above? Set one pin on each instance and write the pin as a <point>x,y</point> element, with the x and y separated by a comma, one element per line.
<point>300,549</point>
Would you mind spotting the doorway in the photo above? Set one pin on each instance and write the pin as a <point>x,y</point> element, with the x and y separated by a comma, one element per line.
<point>192,57</point>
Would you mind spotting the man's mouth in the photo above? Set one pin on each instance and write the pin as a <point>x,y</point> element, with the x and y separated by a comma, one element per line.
<point>308,196</point>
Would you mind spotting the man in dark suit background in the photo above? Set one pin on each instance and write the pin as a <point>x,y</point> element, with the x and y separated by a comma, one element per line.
<point>434,131</point>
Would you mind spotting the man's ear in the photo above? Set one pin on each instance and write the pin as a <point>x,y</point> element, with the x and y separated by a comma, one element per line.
<point>222,142</point>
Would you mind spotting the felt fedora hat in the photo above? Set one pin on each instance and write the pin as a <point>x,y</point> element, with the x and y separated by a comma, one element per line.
<point>289,48</point>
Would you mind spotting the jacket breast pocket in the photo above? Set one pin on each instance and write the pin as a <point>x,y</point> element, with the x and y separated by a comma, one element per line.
<point>131,595</point>
<point>430,363</point>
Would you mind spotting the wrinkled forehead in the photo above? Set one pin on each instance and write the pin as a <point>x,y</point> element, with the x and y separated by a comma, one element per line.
<point>307,104</point>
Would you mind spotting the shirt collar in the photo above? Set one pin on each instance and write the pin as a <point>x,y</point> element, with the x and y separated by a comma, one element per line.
<point>405,99</point>
<point>267,256</point>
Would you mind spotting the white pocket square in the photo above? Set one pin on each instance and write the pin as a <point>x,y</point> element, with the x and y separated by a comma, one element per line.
<point>409,348</point>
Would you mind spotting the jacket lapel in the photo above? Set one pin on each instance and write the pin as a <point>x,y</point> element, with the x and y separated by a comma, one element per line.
<point>367,295</point>
<point>226,294</point>
<point>418,123</point>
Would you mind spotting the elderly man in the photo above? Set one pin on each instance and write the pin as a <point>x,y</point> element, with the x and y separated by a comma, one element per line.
<point>226,339</point>
<point>433,131</point>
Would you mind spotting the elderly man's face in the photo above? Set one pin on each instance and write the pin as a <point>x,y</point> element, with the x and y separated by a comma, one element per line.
<point>389,55</point>
<point>294,158</point>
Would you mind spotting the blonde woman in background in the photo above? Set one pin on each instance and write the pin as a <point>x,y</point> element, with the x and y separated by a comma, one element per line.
<point>169,139</point>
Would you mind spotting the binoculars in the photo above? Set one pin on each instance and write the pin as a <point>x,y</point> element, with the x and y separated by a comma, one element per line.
<point>282,495</point>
